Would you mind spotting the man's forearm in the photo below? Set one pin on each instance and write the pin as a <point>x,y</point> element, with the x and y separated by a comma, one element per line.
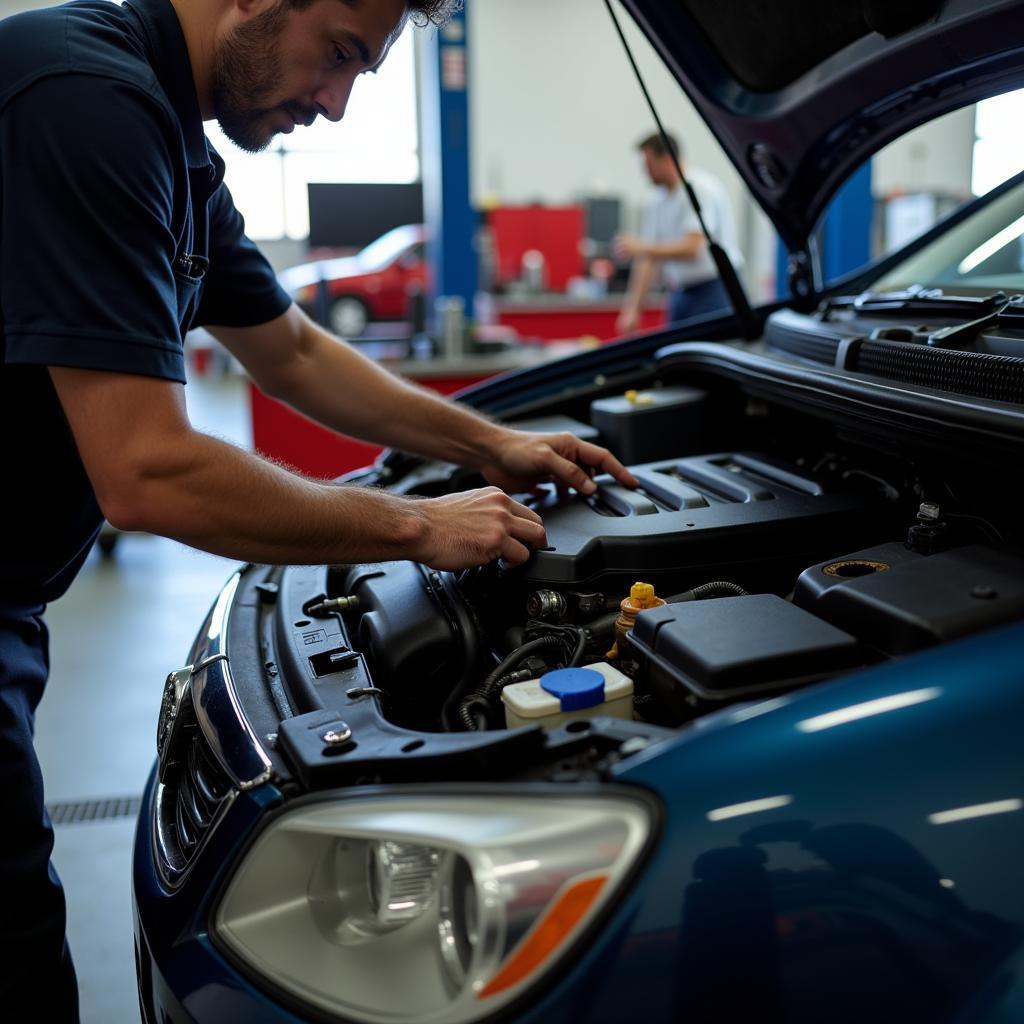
<point>687,248</point>
<point>214,496</point>
<point>151,471</point>
<point>338,386</point>
<point>640,280</point>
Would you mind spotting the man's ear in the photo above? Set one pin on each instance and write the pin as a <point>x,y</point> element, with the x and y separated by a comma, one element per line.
<point>252,8</point>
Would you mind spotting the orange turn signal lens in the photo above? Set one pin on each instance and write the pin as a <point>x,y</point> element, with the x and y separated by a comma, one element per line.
<point>547,935</point>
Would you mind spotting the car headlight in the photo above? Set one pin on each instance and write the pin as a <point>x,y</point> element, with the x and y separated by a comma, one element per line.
<point>427,907</point>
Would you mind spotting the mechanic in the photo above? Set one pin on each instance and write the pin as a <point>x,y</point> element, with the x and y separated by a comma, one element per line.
<point>672,242</point>
<point>116,236</point>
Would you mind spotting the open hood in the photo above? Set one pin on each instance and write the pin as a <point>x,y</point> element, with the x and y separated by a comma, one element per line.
<point>800,93</point>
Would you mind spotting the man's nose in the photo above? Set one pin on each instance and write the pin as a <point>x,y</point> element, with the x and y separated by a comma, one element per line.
<point>332,99</point>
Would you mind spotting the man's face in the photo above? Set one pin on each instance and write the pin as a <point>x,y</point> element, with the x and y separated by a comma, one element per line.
<point>282,67</point>
<point>660,169</point>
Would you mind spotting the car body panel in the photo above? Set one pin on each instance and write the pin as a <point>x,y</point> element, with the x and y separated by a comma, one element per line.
<point>788,826</point>
<point>795,145</point>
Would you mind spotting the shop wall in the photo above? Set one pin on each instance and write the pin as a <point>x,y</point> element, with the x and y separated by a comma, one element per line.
<point>555,113</point>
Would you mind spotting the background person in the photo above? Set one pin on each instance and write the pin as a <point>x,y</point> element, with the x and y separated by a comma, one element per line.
<point>671,244</point>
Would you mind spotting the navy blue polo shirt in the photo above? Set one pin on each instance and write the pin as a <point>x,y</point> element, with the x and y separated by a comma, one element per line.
<point>117,235</point>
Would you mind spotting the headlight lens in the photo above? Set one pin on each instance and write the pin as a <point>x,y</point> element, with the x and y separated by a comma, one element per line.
<point>427,908</point>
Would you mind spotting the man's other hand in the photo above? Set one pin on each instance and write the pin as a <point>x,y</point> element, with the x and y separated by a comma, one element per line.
<point>625,247</point>
<point>628,321</point>
<point>523,461</point>
<point>476,527</point>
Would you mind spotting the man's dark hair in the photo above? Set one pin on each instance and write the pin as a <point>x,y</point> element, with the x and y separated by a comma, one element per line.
<point>435,12</point>
<point>422,12</point>
<point>655,145</point>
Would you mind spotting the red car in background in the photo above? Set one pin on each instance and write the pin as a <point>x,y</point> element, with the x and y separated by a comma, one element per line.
<point>346,293</point>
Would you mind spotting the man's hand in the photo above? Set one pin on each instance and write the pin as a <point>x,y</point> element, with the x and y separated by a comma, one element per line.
<point>626,247</point>
<point>522,461</point>
<point>475,527</point>
<point>628,320</point>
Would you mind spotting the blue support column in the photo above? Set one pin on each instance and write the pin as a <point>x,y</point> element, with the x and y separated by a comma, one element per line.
<point>782,289</point>
<point>845,235</point>
<point>444,146</point>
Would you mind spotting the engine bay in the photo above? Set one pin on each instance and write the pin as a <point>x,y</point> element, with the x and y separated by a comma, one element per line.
<point>730,575</point>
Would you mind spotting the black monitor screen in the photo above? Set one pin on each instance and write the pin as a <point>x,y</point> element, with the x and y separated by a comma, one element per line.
<point>353,215</point>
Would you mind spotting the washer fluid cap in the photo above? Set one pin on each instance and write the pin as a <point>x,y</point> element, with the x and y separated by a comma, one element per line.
<point>575,688</point>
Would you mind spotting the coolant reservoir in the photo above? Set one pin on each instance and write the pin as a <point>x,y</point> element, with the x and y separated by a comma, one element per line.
<point>568,693</point>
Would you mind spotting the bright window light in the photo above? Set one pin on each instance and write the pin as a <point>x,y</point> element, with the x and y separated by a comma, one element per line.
<point>997,152</point>
<point>376,142</point>
<point>992,246</point>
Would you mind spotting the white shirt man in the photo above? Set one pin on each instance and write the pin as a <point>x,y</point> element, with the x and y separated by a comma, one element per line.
<point>671,244</point>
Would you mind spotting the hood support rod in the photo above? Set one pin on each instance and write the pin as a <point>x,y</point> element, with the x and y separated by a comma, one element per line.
<point>745,319</point>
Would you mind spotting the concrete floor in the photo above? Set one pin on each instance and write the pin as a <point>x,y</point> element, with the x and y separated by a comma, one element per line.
<point>124,624</point>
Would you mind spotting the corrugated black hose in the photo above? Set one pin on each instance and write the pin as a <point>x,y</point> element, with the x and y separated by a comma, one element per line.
<point>719,588</point>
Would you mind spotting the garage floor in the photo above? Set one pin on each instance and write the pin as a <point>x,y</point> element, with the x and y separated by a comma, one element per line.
<point>124,624</point>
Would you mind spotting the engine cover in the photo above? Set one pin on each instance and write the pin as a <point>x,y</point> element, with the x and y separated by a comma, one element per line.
<point>728,515</point>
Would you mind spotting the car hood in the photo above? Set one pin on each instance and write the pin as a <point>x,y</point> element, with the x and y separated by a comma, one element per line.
<point>799,94</point>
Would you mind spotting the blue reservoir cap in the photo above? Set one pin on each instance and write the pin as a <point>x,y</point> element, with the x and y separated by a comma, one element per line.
<point>575,688</point>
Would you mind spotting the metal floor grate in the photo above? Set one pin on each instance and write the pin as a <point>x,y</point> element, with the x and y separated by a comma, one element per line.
<point>71,812</point>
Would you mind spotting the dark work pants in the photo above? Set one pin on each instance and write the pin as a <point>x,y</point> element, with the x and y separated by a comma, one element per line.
<point>697,300</point>
<point>37,978</point>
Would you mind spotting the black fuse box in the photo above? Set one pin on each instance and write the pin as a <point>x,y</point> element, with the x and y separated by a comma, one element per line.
<point>645,426</point>
<point>728,648</point>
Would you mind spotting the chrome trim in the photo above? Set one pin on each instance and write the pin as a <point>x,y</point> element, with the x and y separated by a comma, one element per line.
<point>231,738</point>
<point>173,877</point>
<point>207,662</point>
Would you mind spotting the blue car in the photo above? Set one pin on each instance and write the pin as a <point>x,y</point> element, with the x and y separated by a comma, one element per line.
<point>743,744</point>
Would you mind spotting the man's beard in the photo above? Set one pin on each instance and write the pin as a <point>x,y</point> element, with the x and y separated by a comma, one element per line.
<point>246,70</point>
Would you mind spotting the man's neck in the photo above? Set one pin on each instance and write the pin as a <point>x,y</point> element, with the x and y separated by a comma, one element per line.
<point>198,23</point>
<point>672,181</point>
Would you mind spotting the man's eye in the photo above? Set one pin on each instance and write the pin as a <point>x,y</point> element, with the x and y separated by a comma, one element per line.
<point>340,56</point>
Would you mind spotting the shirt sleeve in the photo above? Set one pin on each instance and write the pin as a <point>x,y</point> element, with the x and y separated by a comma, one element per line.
<point>87,242</point>
<point>241,289</point>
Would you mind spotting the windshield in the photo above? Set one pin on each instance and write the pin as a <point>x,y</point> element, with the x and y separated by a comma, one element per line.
<point>382,251</point>
<point>984,252</point>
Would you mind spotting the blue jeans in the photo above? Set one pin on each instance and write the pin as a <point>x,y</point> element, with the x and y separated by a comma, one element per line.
<point>37,977</point>
<point>696,300</point>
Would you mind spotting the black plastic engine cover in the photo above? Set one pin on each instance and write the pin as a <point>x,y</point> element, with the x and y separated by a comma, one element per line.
<point>707,517</point>
<point>912,601</point>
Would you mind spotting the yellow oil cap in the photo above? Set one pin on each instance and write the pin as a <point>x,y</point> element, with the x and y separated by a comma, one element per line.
<point>642,595</point>
<point>635,397</point>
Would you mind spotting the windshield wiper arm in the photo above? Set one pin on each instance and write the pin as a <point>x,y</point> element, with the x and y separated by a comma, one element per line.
<point>932,301</point>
